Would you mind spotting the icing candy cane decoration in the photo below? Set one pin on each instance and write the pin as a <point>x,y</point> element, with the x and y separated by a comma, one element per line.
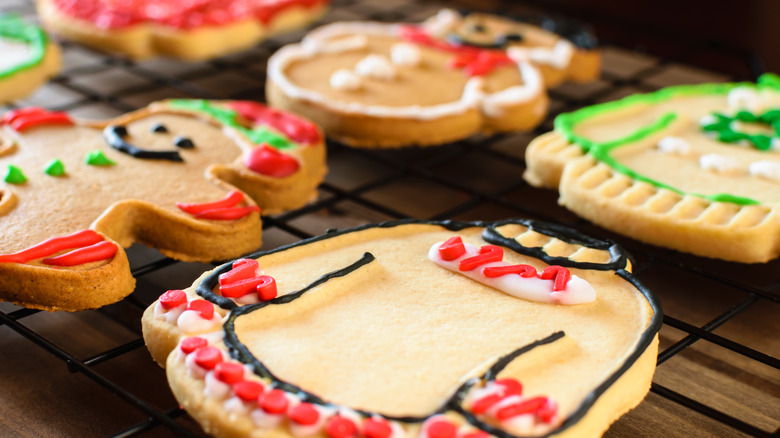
<point>503,400</point>
<point>554,284</point>
<point>87,245</point>
<point>22,119</point>
<point>245,285</point>
<point>223,210</point>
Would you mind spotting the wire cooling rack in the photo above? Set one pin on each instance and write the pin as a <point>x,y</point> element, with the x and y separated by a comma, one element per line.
<point>88,373</point>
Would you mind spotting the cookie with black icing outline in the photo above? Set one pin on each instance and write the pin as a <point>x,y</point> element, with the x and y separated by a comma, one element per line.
<point>436,329</point>
<point>188,177</point>
<point>29,58</point>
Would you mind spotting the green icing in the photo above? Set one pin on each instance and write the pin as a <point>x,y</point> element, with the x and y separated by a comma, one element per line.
<point>227,117</point>
<point>13,28</point>
<point>14,175</point>
<point>565,124</point>
<point>722,126</point>
<point>54,168</point>
<point>98,158</point>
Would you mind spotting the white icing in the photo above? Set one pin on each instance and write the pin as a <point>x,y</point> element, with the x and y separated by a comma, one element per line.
<point>674,146</point>
<point>559,56</point>
<point>709,119</point>
<point>194,370</point>
<point>345,80</point>
<point>442,23</point>
<point>765,169</point>
<point>169,316</point>
<point>478,393</point>
<point>235,406</point>
<point>775,144</point>
<point>578,290</point>
<point>472,96</point>
<point>494,105</point>
<point>214,388</point>
<point>14,53</point>
<point>250,298</point>
<point>506,401</point>
<point>718,163</point>
<point>744,98</point>
<point>405,54</point>
<point>191,321</point>
<point>376,66</point>
<point>264,420</point>
<point>346,44</point>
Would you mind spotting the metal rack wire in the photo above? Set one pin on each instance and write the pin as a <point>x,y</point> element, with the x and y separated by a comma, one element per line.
<point>718,314</point>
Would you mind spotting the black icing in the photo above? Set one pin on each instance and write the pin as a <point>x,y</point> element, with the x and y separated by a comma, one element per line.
<point>115,137</point>
<point>158,128</point>
<point>183,142</point>
<point>618,262</point>
<point>579,33</point>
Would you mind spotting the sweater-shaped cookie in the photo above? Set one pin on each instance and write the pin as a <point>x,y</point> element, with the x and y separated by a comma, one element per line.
<point>174,176</point>
<point>29,58</point>
<point>694,167</point>
<point>391,85</point>
<point>412,328</point>
<point>191,30</point>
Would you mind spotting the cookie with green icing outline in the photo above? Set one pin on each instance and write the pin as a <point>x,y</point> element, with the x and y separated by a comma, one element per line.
<point>187,177</point>
<point>30,58</point>
<point>412,328</point>
<point>695,168</point>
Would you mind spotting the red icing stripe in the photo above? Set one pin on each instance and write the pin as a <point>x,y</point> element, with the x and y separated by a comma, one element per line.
<point>528,406</point>
<point>525,271</point>
<point>561,275</point>
<point>51,246</point>
<point>227,214</point>
<point>243,269</point>
<point>295,128</point>
<point>487,254</point>
<point>231,200</point>
<point>266,160</point>
<point>242,287</point>
<point>25,118</point>
<point>94,253</point>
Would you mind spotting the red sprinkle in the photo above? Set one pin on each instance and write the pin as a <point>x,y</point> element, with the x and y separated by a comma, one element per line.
<point>188,345</point>
<point>266,160</point>
<point>561,274</point>
<point>274,401</point>
<point>510,386</point>
<point>525,271</point>
<point>487,254</point>
<point>452,248</point>
<point>376,428</point>
<point>173,299</point>
<point>208,357</point>
<point>231,200</point>
<point>248,390</point>
<point>243,269</point>
<point>229,372</point>
<point>97,252</point>
<point>441,428</point>
<point>304,414</point>
<point>340,427</point>
<point>266,290</point>
<point>51,246</point>
<point>528,406</point>
<point>227,213</point>
<point>205,308</point>
<point>25,118</point>
<point>481,405</point>
<point>295,128</point>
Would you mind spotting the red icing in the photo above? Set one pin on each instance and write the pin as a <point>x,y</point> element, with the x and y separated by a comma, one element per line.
<point>547,412</point>
<point>243,269</point>
<point>340,427</point>
<point>173,299</point>
<point>274,401</point>
<point>510,386</point>
<point>231,200</point>
<point>304,414</point>
<point>228,214</point>
<point>561,275</point>
<point>481,405</point>
<point>205,308</point>
<point>452,249</point>
<point>266,160</point>
<point>376,428</point>
<point>295,128</point>
<point>441,428</point>
<point>240,288</point>
<point>94,253</point>
<point>229,372</point>
<point>25,118</point>
<point>528,406</point>
<point>208,357</point>
<point>266,290</point>
<point>181,14</point>
<point>54,245</point>
<point>476,434</point>
<point>525,271</point>
<point>188,345</point>
<point>248,390</point>
<point>487,254</point>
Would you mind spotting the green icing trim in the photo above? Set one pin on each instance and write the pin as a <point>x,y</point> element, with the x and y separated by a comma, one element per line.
<point>227,117</point>
<point>723,127</point>
<point>98,158</point>
<point>14,175</point>
<point>565,125</point>
<point>54,168</point>
<point>13,28</point>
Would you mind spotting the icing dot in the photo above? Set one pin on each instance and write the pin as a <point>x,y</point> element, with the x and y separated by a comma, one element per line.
<point>376,428</point>
<point>274,402</point>
<point>375,66</point>
<point>452,248</point>
<point>173,299</point>
<point>248,390</point>
<point>183,142</point>
<point>341,427</point>
<point>405,54</point>
<point>188,345</point>
<point>441,428</point>
<point>743,98</point>
<point>718,163</point>
<point>305,414</point>
<point>765,169</point>
<point>98,158</point>
<point>345,80</point>
<point>674,145</point>
<point>266,160</point>
<point>158,128</point>
<point>229,372</point>
<point>208,357</point>
<point>14,175</point>
<point>205,308</point>
<point>54,168</point>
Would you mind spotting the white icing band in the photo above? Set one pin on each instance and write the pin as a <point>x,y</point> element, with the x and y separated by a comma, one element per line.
<point>674,146</point>
<point>442,23</point>
<point>744,98</point>
<point>405,54</point>
<point>375,66</point>
<point>214,388</point>
<point>250,298</point>
<point>578,290</point>
<point>170,316</point>
<point>235,406</point>
<point>14,53</point>
<point>191,321</point>
<point>765,169</point>
<point>473,97</point>
<point>718,163</point>
<point>558,57</point>
<point>345,80</point>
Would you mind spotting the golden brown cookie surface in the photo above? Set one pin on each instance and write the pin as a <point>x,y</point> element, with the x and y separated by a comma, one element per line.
<point>29,58</point>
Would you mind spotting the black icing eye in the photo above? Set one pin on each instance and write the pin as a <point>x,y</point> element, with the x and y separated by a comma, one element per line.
<point>158,128</point>
<point>513,37</point>
<point>119,130</point>
<point>183,142</point>
<point>478,28</point>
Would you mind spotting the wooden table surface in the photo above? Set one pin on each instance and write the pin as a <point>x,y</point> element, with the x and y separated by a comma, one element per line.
<point>87,374</point>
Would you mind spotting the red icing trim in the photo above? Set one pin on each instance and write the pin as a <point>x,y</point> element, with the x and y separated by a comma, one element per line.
<point>243,269</point>
<point>452,249</point>
<point>547,412</point>
<point>173,299</point>
<point>525,271</point>
<point>561,275</point>
<point>510,386</point>
<point>481,405</point>
<point>266,160</point>
<point>229,372</point>
<point>528,406</point>
<point>240,288</point>
<point>295,128</point>
<point>266,290</point>
<point>304,414</point>
<point>94,253</point>
<point>376,428</point>
<point>188,345</point>
<point>205,308</point>
<point>54,245</point>
<point>441,428</point>
<point>248,390</point>
<point>25,118</point>
<point>227,214</point>
<point>231,200</point>
<point>341,427</point>
<point>208,357</point>
<point>487,254</point>
<point>274,402</point>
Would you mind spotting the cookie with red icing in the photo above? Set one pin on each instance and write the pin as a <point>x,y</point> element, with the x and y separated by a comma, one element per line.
<point>385,85</point>
<point>29,58</point>
<point>188,177</point>
<point>412,328</point>
<point>189,30</point>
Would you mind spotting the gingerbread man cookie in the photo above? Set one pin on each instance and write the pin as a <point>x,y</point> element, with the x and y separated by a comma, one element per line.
<point>29,58</point>
<point>412,328</point>
<point>189,30</point>
<point>188,177</point>
<point>693,167</point>
<point>391,85</point>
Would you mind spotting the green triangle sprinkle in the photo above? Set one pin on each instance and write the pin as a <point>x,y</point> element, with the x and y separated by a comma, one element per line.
<point>54,168</point>
<point>98,158</point>
<point>14,175</point>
